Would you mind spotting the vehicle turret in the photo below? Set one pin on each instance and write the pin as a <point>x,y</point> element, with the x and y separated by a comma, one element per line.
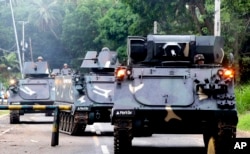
<point>157,49</point>
<point>35,69</point>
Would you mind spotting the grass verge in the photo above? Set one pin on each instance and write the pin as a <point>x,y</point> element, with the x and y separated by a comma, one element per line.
<point>2,112</point>
<point>242,93</point>
<point>244,122</point>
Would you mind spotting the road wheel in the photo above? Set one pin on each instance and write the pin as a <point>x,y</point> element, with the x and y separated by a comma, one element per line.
<point>67,122</point>
<point>61,120</point>
<point>122,142</point>
<point>78,128</point>
<point>14,117</point>
<point>123,136</point>
<point>71,123</point>
<point>206,136</point>
<point>64,121</point>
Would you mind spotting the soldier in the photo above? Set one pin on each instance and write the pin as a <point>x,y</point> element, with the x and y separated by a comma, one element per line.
<point>65,70</point>
<point>199,59</point>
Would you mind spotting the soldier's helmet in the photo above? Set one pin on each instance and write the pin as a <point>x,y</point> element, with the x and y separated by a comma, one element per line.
<point>199,57</point>
<point>105,49</point>
<point>40,58</point>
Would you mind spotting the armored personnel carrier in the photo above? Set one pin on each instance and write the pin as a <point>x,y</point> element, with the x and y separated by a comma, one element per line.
<point>36,88</point>
<point>90,93</point>
<point>164,88</point>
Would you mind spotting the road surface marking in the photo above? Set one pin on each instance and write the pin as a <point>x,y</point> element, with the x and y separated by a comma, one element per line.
<point>105,149</point>
<point>7,130</point>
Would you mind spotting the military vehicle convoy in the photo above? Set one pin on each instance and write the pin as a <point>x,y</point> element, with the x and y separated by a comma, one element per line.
<point>36,88</point>
<point>163,90</point>
<point>90,93</point>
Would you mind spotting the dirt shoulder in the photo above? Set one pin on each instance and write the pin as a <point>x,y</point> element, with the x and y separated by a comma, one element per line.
<point>241,134</point>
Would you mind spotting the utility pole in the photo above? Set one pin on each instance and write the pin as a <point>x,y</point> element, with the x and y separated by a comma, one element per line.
<point>17,44</point>
<point>23,43</point>
<point>217,18</point>
<point>155,27</point>
<point>31,54</point>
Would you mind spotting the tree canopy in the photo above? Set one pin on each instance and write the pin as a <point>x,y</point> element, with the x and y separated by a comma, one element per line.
<point>63,31</point>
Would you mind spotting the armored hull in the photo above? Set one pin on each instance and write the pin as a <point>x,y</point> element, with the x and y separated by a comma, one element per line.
<point>37,88</point>
<point>90,94</point>
<point>172,94</point>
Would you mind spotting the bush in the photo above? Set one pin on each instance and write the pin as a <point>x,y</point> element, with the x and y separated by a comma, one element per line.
<point>244,64</point>
<point>244,123</point>
<point>242,93</point>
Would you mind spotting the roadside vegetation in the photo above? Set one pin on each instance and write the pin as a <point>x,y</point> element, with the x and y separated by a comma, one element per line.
<point>2,112</point>
<point>243,106</point>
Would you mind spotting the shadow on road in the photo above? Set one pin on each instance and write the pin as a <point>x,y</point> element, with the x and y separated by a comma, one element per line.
<point>36,122</point>
<point>165,150</point>
<point>103,133</point>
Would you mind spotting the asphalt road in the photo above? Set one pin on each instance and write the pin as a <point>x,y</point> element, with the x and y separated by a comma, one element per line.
<point>34,133</point>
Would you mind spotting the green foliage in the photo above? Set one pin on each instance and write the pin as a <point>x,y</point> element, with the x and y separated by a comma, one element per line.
<point>173,16</point>
<point>3,112</point>
<point>244,68</point>
<point>115,26</point>
<point>244,123</point>
<point>7,40</point>
<point>70,28</point>
<point>46,15</point>
<point>80,27</point>
<point>9,67</point>
<point>242,93</point>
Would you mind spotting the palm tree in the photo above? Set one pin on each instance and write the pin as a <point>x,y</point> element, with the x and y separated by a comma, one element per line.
<point>8,61</point>
<point>46,15</point>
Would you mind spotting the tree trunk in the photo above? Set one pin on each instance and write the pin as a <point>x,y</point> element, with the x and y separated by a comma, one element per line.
<point>194,16</point>
<point>208,21</point>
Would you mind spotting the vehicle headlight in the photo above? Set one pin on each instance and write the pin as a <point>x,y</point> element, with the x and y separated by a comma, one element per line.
<point>77,79</point>
<point>121,73</point>
<point>12,82</point>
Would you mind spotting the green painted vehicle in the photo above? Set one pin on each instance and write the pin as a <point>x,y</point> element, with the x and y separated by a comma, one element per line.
<point>166,89</point>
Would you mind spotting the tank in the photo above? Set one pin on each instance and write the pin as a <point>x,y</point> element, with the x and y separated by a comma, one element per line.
<point>164,89</point>
<point>89,91</point>
<point>36,88</point>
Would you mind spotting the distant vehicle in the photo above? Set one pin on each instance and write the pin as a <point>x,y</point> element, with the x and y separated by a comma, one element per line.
<point>36,88</point>
<point>90,93</point>
<point>163,90</point>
